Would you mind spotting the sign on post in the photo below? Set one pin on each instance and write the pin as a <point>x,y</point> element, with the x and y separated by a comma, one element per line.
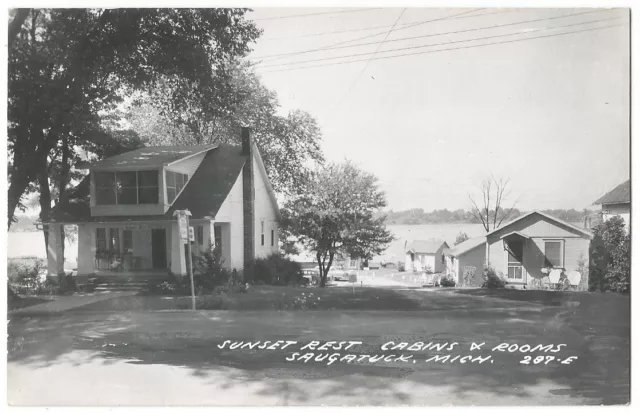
<point>185,230</point>
<point>183,225</point>
<point>192,236</point>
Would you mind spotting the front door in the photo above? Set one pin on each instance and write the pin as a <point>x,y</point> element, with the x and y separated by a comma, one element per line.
<point>515,268</point>
<point>159,248</point>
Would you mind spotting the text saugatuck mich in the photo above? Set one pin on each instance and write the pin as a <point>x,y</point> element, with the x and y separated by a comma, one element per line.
<point>330,352</point>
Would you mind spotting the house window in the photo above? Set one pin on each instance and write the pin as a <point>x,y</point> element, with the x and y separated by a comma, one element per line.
<point>127,241</point>
<point>272,237</point>
<point>553,254</point>
<point>126,188</point>
<point>200,234</point>
<point>148,187</point>
<point>217,236</point>
<point>262,233</point>
<point>514,260</point>
<point>114,239</point>
<point>175,182</point>
<point>101,239</point>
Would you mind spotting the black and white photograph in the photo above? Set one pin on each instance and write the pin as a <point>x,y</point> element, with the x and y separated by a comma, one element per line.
<point>263,205</point>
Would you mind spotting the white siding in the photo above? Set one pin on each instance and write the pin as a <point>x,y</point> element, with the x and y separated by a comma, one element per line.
<point>264,212</point>
<point>621,210</point>
<point>231,212</point>
<point>186,166</point>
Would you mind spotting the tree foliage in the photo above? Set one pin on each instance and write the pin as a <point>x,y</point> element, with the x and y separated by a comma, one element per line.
<point>462,237</point>
<point>70,67</point>
<point>336,214</point>
<point>287,144</point>
<point>610,250</point>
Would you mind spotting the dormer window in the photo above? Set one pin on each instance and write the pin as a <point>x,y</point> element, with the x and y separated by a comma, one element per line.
<point>126,187</point>
<point>175,182</point>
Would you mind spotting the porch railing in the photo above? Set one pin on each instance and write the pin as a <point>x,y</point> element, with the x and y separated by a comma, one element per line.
<point>119,262</point>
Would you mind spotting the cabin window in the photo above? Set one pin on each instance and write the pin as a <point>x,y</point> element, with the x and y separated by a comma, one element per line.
<point>217,236</point>
<point>175,182</point>
<point>262,233</point>
<point>126,187</point>
<point>114,239</point>
<point>101,239</point>
<point>272,238</point>
<point>127,241</point>
<point>553,254</point>
<point>200,234</point>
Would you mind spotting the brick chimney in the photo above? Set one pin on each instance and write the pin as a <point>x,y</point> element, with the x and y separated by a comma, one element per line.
<point>248,203</point>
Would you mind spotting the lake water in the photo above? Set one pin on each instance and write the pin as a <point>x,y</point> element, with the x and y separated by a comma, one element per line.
<point>22,244</point>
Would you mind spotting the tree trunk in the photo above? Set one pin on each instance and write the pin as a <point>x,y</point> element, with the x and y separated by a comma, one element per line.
<point>17,187</point>
<point>45,200</point>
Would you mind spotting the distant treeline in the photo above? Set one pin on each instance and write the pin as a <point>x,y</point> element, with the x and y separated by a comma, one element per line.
<point>418,216</point>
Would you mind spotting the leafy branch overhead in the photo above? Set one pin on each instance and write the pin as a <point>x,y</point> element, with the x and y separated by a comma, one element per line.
<point>68,68</point>
<point>336,214</point>
<point>288,144</point>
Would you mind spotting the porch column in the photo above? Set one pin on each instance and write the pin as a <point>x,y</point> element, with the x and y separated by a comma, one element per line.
<point>55,254</point>
<point>178,261</point>
<point>486,253</point>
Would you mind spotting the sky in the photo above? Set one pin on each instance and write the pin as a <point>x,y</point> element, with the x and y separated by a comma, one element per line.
<point>550,114</point>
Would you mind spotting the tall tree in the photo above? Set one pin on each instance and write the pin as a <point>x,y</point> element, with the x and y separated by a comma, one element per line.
<point>491,212</point>
<point>288,144</point>
<point>336,213</point>
<point>68,67</point>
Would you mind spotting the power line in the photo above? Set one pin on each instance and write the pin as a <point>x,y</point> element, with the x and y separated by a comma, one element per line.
<point>436,44</point>
<point>374,27</point>
<point>449,49</point>
<point>445,33</point>
<point>377,34</point>
<point>369,61</point>
<point>317,14</point>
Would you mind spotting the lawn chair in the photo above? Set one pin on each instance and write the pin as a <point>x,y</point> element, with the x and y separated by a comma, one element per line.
<point>554,278</point>
<point>574,278</point>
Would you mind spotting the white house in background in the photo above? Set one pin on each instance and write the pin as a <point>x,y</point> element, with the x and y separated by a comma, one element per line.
<point>124,210</point>
<point>617,202</point>
<point>425,255</point>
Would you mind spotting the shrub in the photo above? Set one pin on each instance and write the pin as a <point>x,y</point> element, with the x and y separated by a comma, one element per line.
<point>276,270</point>
<point>493,280</point>
<point>208,270</point>
<point>27,277</point>
<point>447,281</point>
<point>610,253</point>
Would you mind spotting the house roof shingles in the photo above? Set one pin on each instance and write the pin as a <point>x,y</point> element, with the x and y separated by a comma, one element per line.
<point>621,194</point>
<point>149,157</point>
<point>467,245</point>
<point>218,172</point>
<point>426,246</point>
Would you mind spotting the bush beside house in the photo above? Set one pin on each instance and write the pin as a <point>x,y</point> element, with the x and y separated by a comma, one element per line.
<point>610,264</point>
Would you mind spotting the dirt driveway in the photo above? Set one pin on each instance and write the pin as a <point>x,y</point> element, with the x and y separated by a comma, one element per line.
<point>159,358</point>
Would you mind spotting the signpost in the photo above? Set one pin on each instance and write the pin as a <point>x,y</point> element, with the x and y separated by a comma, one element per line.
<point>185,231</point>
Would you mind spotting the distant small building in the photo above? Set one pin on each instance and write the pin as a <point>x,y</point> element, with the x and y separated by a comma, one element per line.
<point>426,255</point>
<point>617,202</point>
<point>466,260</point>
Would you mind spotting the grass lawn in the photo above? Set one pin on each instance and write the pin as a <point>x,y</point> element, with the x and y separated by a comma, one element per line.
<point>274,298</point>
<point>22,302</point>
<point>137,357</point>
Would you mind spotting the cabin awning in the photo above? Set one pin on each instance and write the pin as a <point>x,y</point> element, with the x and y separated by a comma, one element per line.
<point>515,235</point>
